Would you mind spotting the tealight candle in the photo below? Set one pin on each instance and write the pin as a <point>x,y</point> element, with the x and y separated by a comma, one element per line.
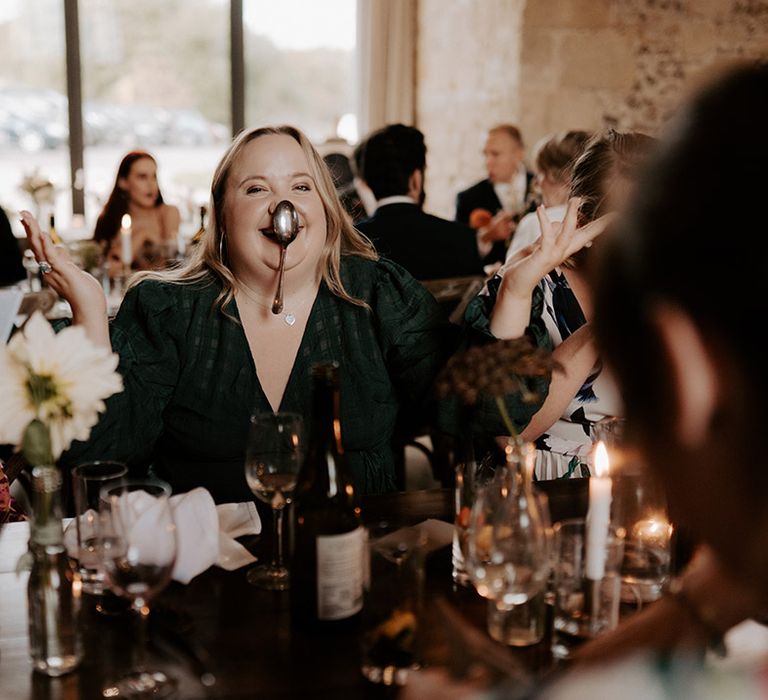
<point>126,245</point>
<point>598,515</point>
<point>654,531</point>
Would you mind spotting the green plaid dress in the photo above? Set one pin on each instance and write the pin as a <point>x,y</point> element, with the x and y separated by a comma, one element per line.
<point>191,383</point>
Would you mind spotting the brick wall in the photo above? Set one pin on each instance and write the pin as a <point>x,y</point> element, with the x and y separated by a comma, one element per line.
<point>557,64</point>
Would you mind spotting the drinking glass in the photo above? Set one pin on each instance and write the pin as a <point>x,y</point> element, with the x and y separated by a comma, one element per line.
<point>611,430</point>
<point>391,616</point>
<point>88,480</point>
<point>583,608</point>
<point>138,550</point>
<point>509,557</point>
<point>639,507</point>
<point>273,456</point>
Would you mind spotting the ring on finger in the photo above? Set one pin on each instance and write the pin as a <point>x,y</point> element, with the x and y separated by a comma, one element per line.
<point>45,267</point>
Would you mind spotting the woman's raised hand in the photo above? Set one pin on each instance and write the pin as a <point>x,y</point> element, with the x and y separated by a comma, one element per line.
<point>557,243</point>
<point>529,266</point>
<point>81,290</point>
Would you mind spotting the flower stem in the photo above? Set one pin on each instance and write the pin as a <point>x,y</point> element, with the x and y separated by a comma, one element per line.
<point>505,416</point>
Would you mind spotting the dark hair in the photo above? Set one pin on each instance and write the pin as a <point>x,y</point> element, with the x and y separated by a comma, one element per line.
<point>510,130</point>
<point>389,158</point>
<point>108,223</point>
<point>689,238</point>
<point>340,169</point>
<point>357,158</point>
<point>556,154</point>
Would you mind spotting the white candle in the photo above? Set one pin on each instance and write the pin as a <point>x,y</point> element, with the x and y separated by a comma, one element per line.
<point>126,245</point>
<point>598,515</point>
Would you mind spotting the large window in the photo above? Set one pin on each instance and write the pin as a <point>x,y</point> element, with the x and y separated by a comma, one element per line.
<point>33,108</point>
<point>299,61</point>
<point>155,76</point>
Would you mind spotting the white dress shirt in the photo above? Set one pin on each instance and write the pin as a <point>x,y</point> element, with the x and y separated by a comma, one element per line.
<point>512,194</point>
<point>528,229</point>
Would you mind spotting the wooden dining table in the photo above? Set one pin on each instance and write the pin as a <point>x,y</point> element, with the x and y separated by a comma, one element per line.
<point>224,638</point>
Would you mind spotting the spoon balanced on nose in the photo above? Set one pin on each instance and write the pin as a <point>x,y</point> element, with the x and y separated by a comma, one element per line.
<point>285,228</point>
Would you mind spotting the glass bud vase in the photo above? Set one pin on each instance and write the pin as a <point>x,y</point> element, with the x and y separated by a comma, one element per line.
<point>53,591</point>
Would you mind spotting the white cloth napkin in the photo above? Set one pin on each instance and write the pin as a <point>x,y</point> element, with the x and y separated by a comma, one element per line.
<point>205,533</point>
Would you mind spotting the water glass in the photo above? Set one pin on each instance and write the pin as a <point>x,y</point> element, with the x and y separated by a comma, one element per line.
<point>583,608</point>
<point>610,430</point>
<point>639,507</point>
<point>471,475</point>
<point>87,481</point>
<point>393,601</point>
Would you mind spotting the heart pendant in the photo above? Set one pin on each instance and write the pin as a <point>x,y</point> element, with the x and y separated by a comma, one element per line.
<point>290,319</point>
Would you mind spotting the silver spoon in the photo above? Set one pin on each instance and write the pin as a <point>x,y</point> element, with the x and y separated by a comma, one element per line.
<point>285,227</point>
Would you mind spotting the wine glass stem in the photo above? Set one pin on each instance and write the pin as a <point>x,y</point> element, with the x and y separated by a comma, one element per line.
<point>277,550</point>
<point>141,609</point>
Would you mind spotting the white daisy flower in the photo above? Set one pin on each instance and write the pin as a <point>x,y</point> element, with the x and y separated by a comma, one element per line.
<point>60,379</point>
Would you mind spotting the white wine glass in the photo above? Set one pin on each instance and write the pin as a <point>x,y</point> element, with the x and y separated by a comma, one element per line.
<point>138,552</point>
<point>273,456</point>
<point>508,551</point>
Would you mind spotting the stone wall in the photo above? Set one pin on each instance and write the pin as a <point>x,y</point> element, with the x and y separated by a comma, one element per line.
<point>462,86</point>
<point>557,64</point>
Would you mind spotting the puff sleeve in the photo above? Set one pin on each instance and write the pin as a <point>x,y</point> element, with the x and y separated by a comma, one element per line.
<point>146,334</point>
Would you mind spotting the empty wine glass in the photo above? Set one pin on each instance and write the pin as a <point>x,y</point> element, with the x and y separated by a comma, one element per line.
<point>508,552</point>
<point>138,551</point>
<point>274,454</point>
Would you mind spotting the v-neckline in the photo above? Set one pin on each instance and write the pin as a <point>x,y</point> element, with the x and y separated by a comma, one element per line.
<point>297,360</point>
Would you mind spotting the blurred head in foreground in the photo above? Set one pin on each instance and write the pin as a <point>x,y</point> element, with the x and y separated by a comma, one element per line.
<point>680,294</point>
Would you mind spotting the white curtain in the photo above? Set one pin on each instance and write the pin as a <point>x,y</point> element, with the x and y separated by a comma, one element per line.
<point>386,40</point>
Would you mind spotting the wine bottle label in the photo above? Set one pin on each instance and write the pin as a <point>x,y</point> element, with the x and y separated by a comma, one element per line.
<point>340,574</point>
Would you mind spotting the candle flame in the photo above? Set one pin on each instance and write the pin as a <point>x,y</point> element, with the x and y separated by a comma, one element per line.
<point>125,222</point>
<point>601,460</point>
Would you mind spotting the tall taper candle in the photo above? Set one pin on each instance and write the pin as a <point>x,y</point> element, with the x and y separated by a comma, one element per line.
<point>126,245</point>
<point>598,515</point>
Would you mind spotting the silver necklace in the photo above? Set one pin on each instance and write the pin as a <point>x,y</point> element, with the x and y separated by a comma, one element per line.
<point>289,317</point>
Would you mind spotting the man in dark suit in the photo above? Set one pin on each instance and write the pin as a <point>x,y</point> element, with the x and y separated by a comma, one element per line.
<point>392,165</point>
<point>494,206</point>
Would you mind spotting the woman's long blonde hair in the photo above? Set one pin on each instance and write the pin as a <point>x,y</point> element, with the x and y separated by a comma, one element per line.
<point>208,260</point>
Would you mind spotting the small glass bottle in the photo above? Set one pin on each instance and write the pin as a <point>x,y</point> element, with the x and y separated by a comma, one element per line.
<point>53,591</point>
